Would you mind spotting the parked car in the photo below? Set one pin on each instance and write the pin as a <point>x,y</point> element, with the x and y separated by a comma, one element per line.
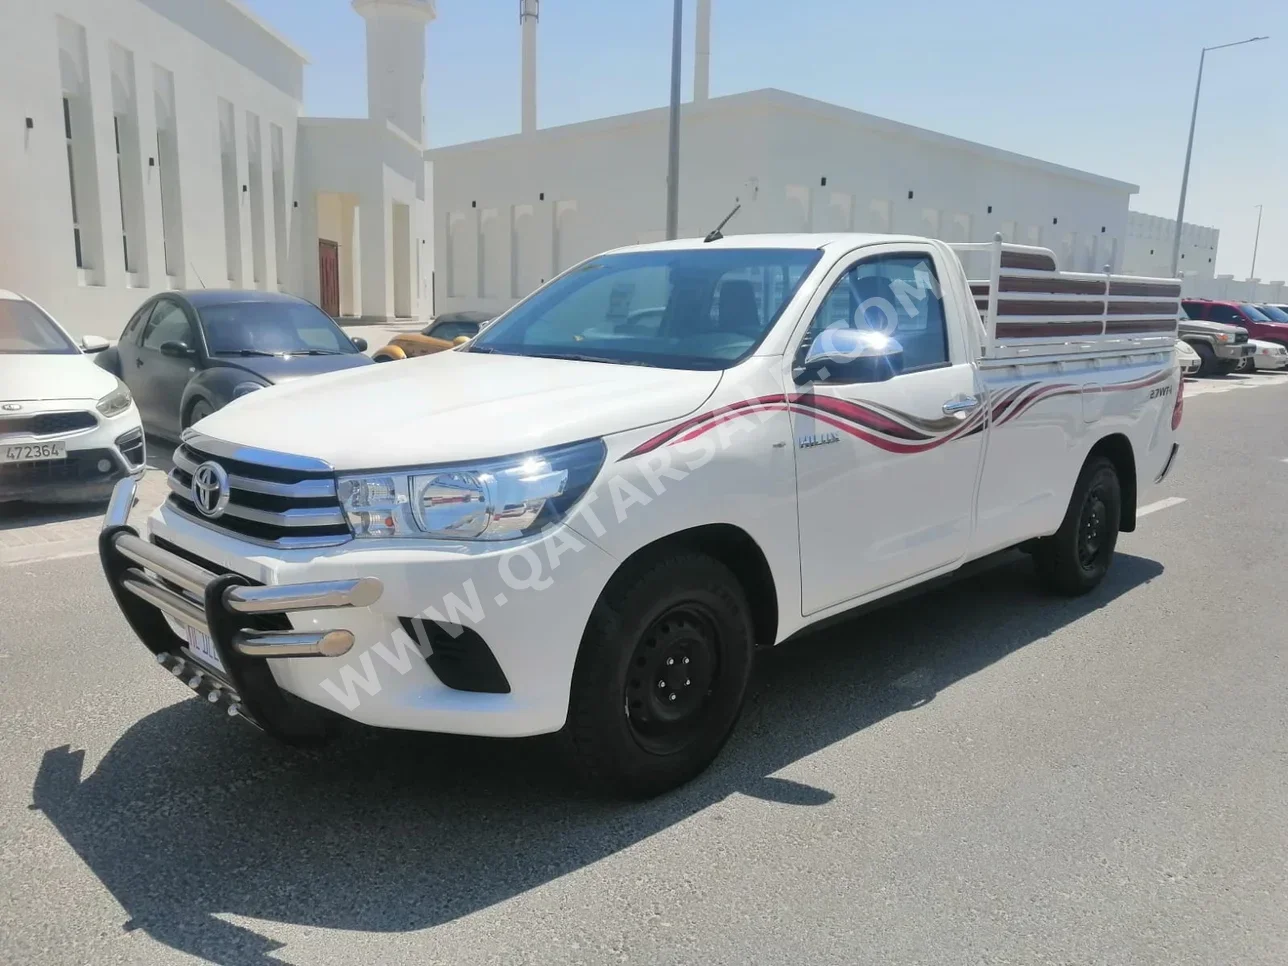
<point>1187,358</point>
<point>1243,314</point>
<point>1275,313</point>
<point>447,330</point>
<point>1266,355</point>
<point>1221,348</point>
<point>541,559</point>
<point>68,430</point>
<point>185,355</point>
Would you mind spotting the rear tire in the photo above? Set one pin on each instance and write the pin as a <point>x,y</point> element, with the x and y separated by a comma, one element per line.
<point>1207,358</point>
<point>1076,557</point>
<point>661,676</point>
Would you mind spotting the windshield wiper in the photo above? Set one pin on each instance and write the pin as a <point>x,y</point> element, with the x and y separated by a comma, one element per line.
<point>578,357</point>
<point>315,352</point>
<point>243,352</point>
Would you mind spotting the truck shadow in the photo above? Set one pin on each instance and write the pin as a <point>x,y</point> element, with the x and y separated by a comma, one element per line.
<point>186,819</point>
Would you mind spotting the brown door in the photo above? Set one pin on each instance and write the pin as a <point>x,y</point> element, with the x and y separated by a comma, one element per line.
<point>329,276</point>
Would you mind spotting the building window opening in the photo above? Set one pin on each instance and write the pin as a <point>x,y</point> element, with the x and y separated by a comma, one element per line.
<point>71,183</point>
<point>120,188</point>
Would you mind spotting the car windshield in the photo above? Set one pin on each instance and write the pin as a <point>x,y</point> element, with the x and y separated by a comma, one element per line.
<point>275,328</point>
<point>451,330</point>
<point>1254,313</point>
<point>678,309</point>
<point>1273,314</point>
<point>25,330</point>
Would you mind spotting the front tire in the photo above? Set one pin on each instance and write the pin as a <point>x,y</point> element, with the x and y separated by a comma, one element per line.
<point>661,675</point>
<point>198,411</point>
<point>1074,560</point>
<point>1207,358</point>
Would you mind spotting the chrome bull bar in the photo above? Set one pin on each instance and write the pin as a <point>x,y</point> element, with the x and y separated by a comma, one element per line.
<point>242,621</point>
<point>240,599</point>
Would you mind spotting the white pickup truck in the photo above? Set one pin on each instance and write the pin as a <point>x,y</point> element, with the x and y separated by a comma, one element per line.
<point>587,519</point>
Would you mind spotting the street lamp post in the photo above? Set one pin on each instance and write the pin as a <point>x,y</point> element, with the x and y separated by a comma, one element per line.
<point>1189,150</point>
<point>1255,242</point>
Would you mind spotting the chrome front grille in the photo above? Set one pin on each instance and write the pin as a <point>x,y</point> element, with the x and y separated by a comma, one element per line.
<point>272,498</point>
<point>1240,337</point>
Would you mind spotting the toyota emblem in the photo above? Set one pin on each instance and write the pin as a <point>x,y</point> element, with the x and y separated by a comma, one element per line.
<point>11,407</point>
<point>210,490</point>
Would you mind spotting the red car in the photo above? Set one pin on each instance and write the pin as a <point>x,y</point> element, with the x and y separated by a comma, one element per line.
<point>1243,314</point>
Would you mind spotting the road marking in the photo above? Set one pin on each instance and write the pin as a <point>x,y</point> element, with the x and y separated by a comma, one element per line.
<point>1160,505</point>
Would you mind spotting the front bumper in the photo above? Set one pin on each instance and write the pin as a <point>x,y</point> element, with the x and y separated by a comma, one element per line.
<point>1232,351</point>
<point>531,625</point>
<point>96,459</point>
<point>244,622</point>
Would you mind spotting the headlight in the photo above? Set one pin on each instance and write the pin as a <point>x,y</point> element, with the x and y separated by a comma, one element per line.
<point>1223,337</point>
<point>493,500</point>
<point>242,388</point>
<point>115,402</point>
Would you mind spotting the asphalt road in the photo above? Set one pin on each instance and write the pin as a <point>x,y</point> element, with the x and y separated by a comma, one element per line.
<point>983,775</point>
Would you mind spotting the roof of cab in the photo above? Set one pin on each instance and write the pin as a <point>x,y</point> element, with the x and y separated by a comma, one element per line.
<point>199,297</point>
<point>801,241</point>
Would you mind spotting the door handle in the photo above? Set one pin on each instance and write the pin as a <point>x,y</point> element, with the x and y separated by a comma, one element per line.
<point>959,405</point>
<point>137,362</point>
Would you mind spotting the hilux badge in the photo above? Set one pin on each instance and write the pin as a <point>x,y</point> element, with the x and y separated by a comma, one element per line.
<point>819,439</point>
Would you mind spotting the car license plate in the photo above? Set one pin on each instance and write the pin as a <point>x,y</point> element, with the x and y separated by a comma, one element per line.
<point>32,452</point>
<point>203,648</point>
<point>1249,350</point>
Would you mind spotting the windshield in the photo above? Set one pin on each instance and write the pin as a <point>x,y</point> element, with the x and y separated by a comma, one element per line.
<point>453,330</point>
<point>25,330</point>
<point>686,309</point>
<point>1273,314</point>
<point>1253,313</point>
<point>272,328</point>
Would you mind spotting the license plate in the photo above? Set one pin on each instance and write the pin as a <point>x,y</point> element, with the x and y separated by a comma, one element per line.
<point>32,452</point>
<point>203,648</point>
<point>1249,350</point>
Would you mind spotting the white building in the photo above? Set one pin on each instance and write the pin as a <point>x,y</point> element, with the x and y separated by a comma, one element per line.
<point>1149,247</point>
<point>158,144</point>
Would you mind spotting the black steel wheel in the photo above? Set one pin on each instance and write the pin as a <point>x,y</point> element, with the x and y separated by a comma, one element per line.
<point>661,675</point>
<point>1076,557</point>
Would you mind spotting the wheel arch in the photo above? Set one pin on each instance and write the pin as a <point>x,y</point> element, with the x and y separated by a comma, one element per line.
<point>1117,448</point>
<point>736,549</point>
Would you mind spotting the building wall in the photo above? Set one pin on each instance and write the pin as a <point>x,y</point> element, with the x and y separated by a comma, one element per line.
<point>1149,247</point>
<point>832,169</point>
<point>160,65</point>
<point>513,211</point>
<point>1242,290</point>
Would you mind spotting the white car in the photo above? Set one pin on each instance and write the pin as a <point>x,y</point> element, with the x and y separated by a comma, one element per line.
<point>69,431</point>
<point>1189,360</point>
<point>1267,355</point>
<point>548,529</point>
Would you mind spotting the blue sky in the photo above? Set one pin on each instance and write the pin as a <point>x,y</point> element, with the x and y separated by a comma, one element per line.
<point>1104,85</point>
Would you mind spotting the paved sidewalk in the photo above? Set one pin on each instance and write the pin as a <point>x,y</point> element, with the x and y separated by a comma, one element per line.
<point>29,533</point>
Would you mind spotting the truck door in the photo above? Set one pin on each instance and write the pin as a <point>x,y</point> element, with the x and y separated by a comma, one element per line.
<point>887,465</point>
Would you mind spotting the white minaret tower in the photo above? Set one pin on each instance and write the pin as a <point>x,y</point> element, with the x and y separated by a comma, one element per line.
<point>702,53</point>
<point>529,15</point>
<point>396,61</point>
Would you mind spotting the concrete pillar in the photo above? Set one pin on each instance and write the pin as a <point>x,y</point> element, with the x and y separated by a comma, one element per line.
<point>374,238</point>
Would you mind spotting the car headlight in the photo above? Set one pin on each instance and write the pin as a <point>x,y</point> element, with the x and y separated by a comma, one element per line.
<point>115,402</point>
<point>242,388</point>
<point>492,500</point>
<point>1223,337</point>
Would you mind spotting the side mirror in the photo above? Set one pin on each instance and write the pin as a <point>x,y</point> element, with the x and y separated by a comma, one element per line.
<point>359,344</point>
<point>851,355</point>
<point>176,350</point>
<point>93,343</point>
<point>461,340</point>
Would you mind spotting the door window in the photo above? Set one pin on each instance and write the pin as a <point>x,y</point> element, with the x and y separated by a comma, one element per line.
<point>135,325</point>
<point>896,294</point>
<point>1224,313</point>
<point>169,323</point>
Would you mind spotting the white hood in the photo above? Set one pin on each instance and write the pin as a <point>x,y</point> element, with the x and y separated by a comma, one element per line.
<point>24,378</point>
<point>455,406</point>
